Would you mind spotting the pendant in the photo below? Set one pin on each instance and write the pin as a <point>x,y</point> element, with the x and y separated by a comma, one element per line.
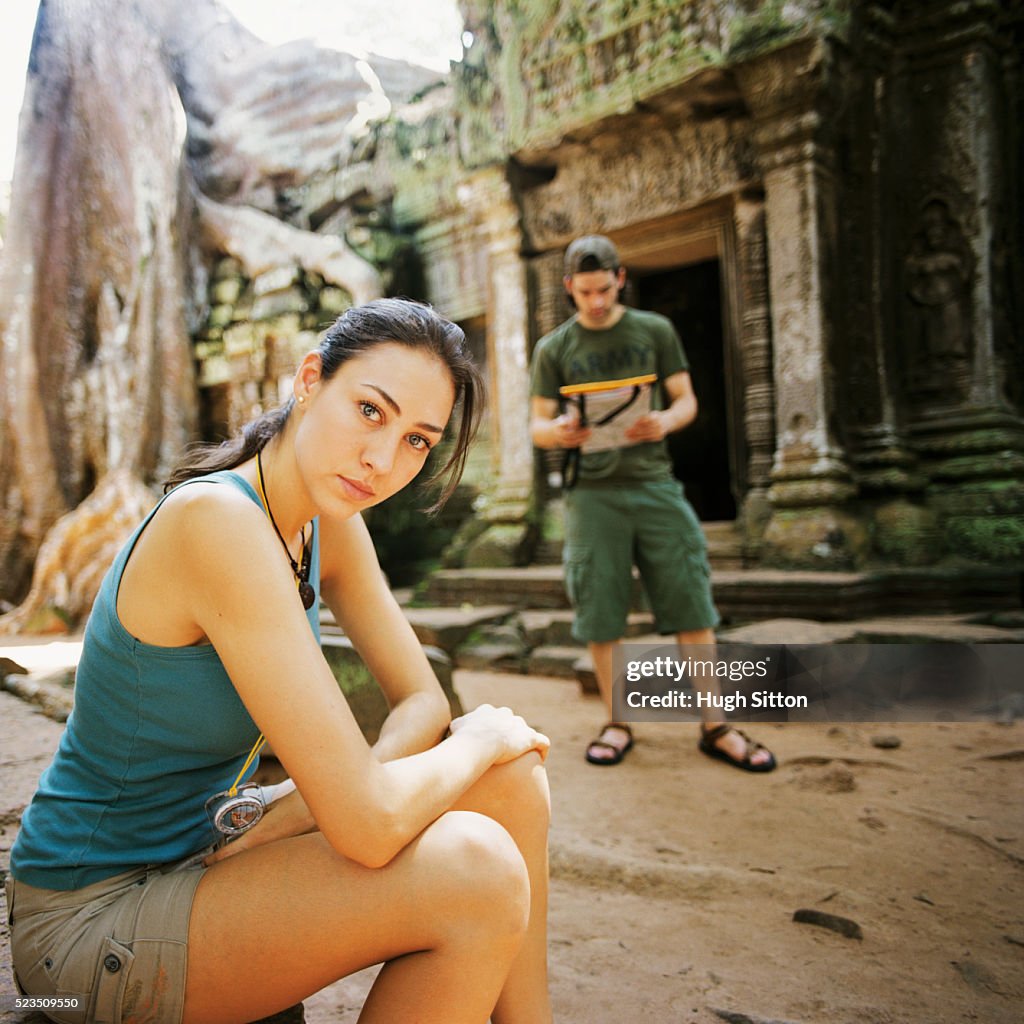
<point>307,594</point>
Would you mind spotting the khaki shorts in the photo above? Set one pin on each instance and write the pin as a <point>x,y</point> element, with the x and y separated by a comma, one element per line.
<point>120,946</point>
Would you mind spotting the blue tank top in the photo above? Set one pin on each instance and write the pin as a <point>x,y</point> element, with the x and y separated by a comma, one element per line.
<point>155,731</point>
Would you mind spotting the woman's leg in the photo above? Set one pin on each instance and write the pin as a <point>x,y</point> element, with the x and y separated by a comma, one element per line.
<point>516,796</point>
<point>448,915</point>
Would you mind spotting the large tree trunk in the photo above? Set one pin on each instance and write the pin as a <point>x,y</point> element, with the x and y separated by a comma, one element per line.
<point>95,368</point>
<point>115,216</point>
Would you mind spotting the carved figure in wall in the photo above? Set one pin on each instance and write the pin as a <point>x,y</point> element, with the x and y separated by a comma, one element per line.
<point>939,270</point>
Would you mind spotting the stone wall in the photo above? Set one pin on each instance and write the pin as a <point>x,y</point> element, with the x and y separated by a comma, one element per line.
<point>854,168</point>
<point>256,333</point>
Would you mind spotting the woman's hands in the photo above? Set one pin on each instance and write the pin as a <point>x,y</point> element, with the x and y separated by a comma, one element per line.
<point>504,730</point>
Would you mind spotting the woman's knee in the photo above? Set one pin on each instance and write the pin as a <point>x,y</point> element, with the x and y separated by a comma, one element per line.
<point>520,788</point>
<point>489,882</point>
<point>533,785</point>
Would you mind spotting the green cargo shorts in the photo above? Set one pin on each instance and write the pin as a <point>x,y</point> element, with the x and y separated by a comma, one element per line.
<point>609,528</point>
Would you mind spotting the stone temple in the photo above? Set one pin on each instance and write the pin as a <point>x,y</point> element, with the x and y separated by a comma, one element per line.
<point>824,196</point>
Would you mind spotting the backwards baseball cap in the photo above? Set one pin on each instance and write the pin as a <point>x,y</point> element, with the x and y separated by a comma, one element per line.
<point>591,252</point>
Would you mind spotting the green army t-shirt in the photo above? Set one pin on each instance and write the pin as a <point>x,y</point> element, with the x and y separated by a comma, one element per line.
<point>640,343</point>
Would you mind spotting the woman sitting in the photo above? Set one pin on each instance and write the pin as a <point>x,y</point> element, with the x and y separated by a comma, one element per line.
<point>426,852</point>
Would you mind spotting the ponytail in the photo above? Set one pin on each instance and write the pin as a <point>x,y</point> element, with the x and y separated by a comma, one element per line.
<point>200,459</point>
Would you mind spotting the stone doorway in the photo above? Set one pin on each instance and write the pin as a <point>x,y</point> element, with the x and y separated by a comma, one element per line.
<point>691,297</point>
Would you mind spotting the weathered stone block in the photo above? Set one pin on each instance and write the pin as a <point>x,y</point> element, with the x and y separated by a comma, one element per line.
<point>273,304</point>
<point>226,267</point>
<point>502,545</point>
<point>208,349</point>
<point>361,690</point>
<point>227,292</point>
<point>220,316</point>
<point>275,280</point>
<point>241,339</point>
<point>906,534</point>
<point>213,371</point>
<point>815,538</point>
<point>333,301</point>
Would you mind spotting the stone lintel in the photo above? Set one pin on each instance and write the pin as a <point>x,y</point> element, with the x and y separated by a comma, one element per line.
<point>784,82</point>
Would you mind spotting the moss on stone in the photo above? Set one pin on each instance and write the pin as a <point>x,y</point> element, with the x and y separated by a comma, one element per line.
<point>764,29</point>
<point>773,25</point>
<point>996,539</point>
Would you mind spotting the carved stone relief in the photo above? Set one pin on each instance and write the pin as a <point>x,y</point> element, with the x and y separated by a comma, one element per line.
<point>639,175</point>
<point>938,275</point>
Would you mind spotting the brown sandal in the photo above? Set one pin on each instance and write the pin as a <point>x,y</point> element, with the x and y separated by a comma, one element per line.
<point>617,752</point>
<point>710,737</point>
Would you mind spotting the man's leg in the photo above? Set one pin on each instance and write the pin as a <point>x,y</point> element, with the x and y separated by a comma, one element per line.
<point>672,558</point>
<point>700,646</point>
<point>599,529</point>
<point>615,738</point>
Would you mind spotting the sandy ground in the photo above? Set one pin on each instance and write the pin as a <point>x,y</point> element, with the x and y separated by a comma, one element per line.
<point>676,878</point>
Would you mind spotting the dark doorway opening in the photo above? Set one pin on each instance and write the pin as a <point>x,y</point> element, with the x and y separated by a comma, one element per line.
<point>691,298</point>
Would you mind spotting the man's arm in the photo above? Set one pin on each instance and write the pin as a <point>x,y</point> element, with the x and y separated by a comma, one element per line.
<point>681,412</point>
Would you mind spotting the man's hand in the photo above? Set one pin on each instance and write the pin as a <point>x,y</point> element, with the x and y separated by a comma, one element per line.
<point>652,426</point>
<point>567,430</point>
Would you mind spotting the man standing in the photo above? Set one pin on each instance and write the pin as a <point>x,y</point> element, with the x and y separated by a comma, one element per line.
<point>626,507</point>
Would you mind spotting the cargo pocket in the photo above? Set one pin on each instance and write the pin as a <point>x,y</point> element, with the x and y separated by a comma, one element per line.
<point>111,978</point>
<point>577,572</point>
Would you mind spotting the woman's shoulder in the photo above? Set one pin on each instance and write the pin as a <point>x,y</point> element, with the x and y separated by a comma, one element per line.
<point>205,502</point>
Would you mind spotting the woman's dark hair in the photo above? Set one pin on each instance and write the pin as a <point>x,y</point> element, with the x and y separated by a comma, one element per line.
<point>358,330</point>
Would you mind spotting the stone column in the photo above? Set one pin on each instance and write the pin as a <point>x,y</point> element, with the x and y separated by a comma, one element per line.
<point>957,197</point>
<point>756,359</point>
<point>509,536</point>
<point>811,524</point>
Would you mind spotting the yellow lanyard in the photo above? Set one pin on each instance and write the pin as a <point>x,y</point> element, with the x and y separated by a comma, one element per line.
<point>256,748</point>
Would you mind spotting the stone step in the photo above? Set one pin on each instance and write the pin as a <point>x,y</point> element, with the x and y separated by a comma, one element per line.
<point>754,594</point>
<point>534,586</point>
<point>748,595</point>
<point>559,661</point>
<point>438,626</point>
<point>572,661</point>
<point>554,626</point>
<point>901,629</point>
<point>449,628</point>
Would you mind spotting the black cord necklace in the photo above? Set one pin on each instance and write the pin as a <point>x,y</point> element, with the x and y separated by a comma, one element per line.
<point>306,592</point>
